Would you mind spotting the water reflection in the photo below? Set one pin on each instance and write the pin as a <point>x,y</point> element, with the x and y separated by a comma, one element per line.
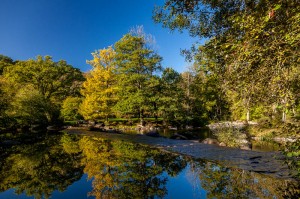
<point>38,169</point>
<point>221,182</point>
<point>125,170</point>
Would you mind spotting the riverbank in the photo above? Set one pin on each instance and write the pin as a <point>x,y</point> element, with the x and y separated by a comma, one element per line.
<point>269,163</point>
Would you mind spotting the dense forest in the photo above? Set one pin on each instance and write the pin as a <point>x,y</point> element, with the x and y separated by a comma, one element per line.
<point>248,69</point>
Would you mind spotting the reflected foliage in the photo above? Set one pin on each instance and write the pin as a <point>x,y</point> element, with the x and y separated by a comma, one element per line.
<point>222,182</point>
<point>40,168</point>
<point>119,169</point>
<point>292,153</point>
<point>126,170</point>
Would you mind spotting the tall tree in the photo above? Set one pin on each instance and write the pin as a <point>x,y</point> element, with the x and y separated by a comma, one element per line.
<point>100,86</point>
<point>209,102</point>
<point>171,98</point>
<point>137,65</point>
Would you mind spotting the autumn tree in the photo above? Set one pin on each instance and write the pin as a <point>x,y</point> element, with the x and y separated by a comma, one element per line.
<point>100,86</point>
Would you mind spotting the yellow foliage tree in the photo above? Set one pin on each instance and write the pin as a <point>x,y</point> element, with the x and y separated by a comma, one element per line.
<point>100,86</point>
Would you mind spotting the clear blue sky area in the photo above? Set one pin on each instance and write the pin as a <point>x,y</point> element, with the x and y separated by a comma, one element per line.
<point>72,29</point>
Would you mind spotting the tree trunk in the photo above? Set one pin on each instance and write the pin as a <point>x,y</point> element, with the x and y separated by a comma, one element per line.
<point>284,109</point>
<point>294,112</point>
<point>248,115</point>
<point>283,116</point>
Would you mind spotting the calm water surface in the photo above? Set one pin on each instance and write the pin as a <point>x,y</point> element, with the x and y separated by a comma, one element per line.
<point>69,166</point>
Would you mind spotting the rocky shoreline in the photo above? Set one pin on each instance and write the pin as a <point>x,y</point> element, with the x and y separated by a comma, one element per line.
<point>269,163</point>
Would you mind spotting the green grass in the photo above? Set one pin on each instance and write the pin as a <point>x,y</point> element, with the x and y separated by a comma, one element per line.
<point>70,122</point>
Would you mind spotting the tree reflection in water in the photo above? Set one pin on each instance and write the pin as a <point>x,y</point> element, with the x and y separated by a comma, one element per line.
<point>222,182</point>
<point>124,170</point>
<point>127,170</point>
<point>39,168</point>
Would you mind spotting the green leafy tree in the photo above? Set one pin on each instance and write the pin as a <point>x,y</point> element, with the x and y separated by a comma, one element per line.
<point>29,106</point>
<point>53,80</point>
<point>43,85</point>
<point>137,65</point>
<point>7,93</point>
<point>5,62</point>
<point>171,98</point>
<point>253,45</point>
<point>70,107</point>
<point>209,98</point>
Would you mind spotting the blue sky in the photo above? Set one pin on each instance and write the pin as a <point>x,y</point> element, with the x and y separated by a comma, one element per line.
<point>73,29</point>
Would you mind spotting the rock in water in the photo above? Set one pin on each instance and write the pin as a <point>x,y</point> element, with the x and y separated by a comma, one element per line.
<point>222,144</point>
<point>177,136</point>
<point>153,134</point>
<point>210,141</point>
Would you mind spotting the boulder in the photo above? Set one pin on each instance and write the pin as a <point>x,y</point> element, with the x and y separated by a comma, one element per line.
<point>210,141</point>
<point>91,122</point>
<point>153,134</point>
<point>177,136</point>
<point>55,128</point>
<point>246,146</point>
<point>173,128</point>
<point>222,144</point>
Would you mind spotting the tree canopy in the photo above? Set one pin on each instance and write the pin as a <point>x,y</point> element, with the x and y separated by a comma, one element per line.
<point>100,88</point>
<point>252,46</point>
<point>36,89</point>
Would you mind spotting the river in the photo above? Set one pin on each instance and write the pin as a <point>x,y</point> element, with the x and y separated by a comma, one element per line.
<point>63,165</point>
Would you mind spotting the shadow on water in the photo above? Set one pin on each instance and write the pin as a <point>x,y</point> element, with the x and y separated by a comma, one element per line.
<point>117,169</point>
